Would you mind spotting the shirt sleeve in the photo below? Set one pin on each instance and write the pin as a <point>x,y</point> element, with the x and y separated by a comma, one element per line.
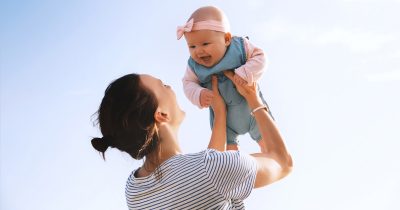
<point>233,173</point>
<point>254,67</point>
<point>191,87</point>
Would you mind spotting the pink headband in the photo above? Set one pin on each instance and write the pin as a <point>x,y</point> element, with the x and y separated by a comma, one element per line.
<point>213,25</point>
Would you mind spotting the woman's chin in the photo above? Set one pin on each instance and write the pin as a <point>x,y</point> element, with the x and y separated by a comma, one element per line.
<point>182,114</point>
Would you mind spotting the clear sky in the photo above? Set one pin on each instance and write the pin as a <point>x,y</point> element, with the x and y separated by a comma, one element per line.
<point>333,85</point>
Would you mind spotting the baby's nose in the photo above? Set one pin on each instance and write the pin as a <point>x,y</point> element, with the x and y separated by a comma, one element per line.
<point>199,51</point>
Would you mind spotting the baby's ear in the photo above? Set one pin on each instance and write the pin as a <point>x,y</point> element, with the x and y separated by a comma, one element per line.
<point>228,38</point>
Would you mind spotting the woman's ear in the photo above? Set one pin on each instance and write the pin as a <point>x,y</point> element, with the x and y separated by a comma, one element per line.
<point>228,38</point>
<point>161,117</point>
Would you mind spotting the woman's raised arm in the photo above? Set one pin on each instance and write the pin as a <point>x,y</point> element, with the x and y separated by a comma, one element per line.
<point>274,161</point>
<point>218,136</point>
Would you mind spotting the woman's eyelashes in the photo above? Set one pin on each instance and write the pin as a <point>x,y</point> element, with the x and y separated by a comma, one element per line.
<point>167,86</point>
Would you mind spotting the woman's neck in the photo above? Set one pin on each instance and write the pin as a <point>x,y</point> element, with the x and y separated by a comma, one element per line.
<point>167,148</point>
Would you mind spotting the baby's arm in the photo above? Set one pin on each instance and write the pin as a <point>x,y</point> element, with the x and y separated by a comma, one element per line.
<point>196,94</point>
<point>253,69</point>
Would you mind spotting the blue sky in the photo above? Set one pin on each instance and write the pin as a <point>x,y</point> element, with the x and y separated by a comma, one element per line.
<point>333,85</point>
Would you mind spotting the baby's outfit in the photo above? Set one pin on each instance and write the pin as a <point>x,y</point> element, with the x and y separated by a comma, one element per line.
<point>248,62</point>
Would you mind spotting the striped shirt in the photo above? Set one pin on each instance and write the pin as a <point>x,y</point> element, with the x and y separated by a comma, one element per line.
<point>203,180</point>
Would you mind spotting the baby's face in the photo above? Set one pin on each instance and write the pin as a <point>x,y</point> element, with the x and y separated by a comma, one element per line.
<point>207,47</point>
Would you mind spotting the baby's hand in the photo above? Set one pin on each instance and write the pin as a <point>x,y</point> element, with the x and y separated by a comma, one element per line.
<point>206,97</point>
<point>239,80</point>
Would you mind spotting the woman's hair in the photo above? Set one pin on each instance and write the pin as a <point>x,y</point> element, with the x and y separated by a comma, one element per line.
<point>126,118</point>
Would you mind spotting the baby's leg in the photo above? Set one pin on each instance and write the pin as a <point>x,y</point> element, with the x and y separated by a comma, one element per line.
<point>231,139</point>
<point>232,147</point>
<point>256,136</point>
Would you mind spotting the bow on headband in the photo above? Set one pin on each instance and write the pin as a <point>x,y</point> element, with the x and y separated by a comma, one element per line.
<point>185,28</point>
<point>213,25</point>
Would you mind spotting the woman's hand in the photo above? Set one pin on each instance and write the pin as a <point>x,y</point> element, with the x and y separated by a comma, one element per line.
<point>239,80</point>
<point>217,103</point>
<point>249,92</point>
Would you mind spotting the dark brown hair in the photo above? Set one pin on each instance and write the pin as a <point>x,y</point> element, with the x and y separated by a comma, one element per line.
<point>126,118</point>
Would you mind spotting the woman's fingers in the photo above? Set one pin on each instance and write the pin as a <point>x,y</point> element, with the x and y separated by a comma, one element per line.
<point>244,89</point>
<point>229,74</point>
<point>217,103</point>
<point>214,84</point>
<point>236,80</point>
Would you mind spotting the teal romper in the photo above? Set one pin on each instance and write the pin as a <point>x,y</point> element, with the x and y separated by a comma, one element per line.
<point>239,120</point>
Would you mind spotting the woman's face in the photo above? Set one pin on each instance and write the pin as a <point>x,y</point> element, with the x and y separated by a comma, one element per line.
<point>166,98</point>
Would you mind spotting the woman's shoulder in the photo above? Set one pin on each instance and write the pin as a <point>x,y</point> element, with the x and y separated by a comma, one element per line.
<point>227,159</point>
<point>182,163</point>
<point>197,161</point>
<point>207,153</point>
<point>215,154</point>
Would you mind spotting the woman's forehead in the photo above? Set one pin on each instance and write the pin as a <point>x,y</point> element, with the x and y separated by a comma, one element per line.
<point>150,82</point>
<point>147,78</point>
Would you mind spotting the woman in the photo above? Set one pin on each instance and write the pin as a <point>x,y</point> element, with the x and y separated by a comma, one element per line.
<point>140,115</point>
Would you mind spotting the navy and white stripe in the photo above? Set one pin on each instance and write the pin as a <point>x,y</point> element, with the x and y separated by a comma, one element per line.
<point>204,180</point>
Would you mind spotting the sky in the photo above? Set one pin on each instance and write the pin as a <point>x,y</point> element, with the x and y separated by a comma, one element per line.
<point>332,83</point>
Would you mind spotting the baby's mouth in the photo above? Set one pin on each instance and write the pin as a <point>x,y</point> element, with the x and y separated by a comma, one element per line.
<point>206,59</point>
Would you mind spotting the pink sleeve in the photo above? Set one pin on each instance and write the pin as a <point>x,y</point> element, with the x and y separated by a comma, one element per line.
<point>191,87</point>
<point>253,69</point>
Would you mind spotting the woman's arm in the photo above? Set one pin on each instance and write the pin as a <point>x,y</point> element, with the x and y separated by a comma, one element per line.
<point>275,161</point>
<point>218,136</point>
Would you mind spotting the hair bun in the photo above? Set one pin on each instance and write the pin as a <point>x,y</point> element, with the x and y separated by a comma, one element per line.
<point>100,144</point>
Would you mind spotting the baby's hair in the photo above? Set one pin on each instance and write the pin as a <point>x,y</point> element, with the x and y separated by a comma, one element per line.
<point>209,13</point>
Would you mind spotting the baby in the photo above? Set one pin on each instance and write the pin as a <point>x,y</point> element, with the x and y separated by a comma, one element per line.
<point>213,50</point>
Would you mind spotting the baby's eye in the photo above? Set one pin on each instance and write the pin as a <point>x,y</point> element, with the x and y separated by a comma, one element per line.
<point>192,47</point>
<point>205,44</point>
